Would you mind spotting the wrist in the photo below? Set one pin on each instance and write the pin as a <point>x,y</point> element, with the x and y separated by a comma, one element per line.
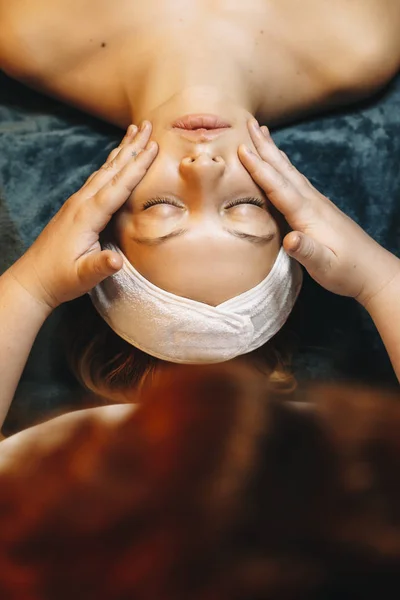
<point>23,275</point>
<point>381,274</point>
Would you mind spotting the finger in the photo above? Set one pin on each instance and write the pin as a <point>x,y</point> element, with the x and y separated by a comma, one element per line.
<point>123,155</point>
<point>129,136</point>
<point>128,139</point>
<point>315,257</point>
<point>112,196</point>
<point>270,153</point>
<point>94,267</point>
<point>280,190</point>
<point>89,179</point>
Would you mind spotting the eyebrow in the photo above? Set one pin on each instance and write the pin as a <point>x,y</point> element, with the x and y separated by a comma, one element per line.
<point>254,239</point>
<point>159,240</point>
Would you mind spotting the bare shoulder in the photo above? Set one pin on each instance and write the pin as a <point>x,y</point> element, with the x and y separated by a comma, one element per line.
<point>51,434</point>
<point>372,31</point>
<point>59,48</point>
<point>39,36</point>
<point>19,22</point>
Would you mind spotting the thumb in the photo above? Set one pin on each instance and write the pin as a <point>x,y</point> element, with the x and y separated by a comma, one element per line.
<point>315,257</point>
<point>97,266</point>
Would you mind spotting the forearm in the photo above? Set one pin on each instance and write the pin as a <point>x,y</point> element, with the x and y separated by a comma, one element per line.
<point>384,309</point>
<point>21,317</point>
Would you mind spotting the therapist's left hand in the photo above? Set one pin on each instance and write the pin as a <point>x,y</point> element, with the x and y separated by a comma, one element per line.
<point>66,260</point>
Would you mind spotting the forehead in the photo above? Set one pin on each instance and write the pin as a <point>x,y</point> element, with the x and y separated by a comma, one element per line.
<point>210,269</point>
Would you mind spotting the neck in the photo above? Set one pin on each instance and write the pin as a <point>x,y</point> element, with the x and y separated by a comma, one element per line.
<point>192,84</point>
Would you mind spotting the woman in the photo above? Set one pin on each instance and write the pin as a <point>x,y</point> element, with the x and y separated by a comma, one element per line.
<point>198,206</point>
<point>161,61</point>
<point>67,261</point>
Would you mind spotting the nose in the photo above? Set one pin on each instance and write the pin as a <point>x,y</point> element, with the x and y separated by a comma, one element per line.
<point>203,166</point>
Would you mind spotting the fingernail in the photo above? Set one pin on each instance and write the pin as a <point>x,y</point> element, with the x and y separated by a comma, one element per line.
<point>151,146</point>
<point>143,126</point>
<point>256,124</point>
<point>296,242</point>
<point>249,152</point>
<point>265,131</point>
<point>112,262</point>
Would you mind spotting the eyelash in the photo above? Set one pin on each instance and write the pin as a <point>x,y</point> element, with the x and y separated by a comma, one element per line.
<point>155,201</point>
<point>254,201</point>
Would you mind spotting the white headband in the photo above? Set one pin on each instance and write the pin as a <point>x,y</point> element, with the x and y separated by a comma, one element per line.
<point>181,330</point>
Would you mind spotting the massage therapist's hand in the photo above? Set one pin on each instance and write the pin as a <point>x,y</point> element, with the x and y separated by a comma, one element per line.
<point>336,252</point>
<point>66,260</point>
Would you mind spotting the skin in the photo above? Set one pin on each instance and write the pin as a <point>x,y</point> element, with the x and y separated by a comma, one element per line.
<point>198,204</point>
<point>50,272</point>
<point>336,252</point>
<point>158,61</point>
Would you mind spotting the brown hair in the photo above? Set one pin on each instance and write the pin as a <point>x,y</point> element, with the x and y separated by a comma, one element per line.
<point>215,489</point>
<point>110,367</point>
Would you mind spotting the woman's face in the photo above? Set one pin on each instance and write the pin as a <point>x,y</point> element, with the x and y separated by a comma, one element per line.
<point>197,225</point>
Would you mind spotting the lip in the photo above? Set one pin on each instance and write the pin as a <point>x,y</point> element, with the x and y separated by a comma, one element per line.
<point>201,121</point>
<point>200,128</point>
<point>199,136</point>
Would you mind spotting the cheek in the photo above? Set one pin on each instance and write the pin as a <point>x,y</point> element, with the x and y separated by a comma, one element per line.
<point>243,137</point>
<point>161,179</point>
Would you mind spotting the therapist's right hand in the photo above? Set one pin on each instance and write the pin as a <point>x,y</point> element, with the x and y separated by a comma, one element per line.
<point>336,252</point>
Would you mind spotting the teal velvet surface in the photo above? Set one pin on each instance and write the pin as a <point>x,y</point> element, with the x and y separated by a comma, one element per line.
<point>47,150</point>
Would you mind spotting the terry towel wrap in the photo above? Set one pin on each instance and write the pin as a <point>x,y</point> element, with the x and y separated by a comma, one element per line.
<point>182,330</point>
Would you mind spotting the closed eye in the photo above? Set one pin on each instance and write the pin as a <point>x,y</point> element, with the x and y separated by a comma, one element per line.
<point>160,200</point>
<point>254,201</point>
<point>239,201</point>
